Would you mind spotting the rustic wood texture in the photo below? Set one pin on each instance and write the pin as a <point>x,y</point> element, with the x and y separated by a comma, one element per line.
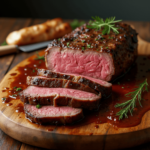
<point>10,61</point>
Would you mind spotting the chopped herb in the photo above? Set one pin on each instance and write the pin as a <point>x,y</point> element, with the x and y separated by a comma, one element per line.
<point>83,48</point>
<point>96,39</point>
<point>122,87</point>
<point>14,95</point>
<point>59,39</point>
<point>129,105</point>
<point>19,89</point>
<point>83,41</point>
<point>38,57</point>
<point>68,44</point>
<point>15,87</point>
<point>4,98</point>
<point>110,37</point>
<point>76,23</point>
<point>101,46</point>
<point>85,37</point>
<point>108,24</point>
<point>88,46</point>
<point>118,83</point>
<point>38,106</point>
<point>4,43</point>
<point>33,70</point>
<point>97,49</point>
<point>107,47</point>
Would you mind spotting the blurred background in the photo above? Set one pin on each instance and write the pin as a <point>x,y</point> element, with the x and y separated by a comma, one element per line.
<point>135,10</point>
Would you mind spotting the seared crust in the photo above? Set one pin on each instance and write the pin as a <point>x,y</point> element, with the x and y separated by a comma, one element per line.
<point>57,100</point>
<point>121,47</point>
<point>58,83</point>
<point>104,90</point>
<point>48,30</point>
<point>53,120</point>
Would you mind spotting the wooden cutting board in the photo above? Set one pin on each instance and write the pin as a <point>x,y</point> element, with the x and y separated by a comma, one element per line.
<point>82,137</point>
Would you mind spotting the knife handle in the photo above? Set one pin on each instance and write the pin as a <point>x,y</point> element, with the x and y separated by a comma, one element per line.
<point>8,49</point>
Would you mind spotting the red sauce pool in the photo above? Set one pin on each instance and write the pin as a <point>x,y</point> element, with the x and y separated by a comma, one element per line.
<point>107,112</point>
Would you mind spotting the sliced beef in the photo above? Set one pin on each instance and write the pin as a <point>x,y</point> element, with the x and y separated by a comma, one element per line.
<point>90,53</point>
<point>60,97</point>
<point>57,83</point>
<point>52,115</point>
<point>98,85</point>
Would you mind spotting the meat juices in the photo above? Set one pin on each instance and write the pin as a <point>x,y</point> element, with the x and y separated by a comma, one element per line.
<point>87,52</point>
<point>60,97</point>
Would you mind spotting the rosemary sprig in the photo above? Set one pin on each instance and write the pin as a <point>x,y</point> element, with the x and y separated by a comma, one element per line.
<point>108,24</point>
<point>4,43</point>
<point>38,57</point>
<point>129,105</point>
<point>76,23</point>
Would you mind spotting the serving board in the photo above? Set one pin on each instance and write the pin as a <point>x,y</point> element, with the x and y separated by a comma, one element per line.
<point>61,137</point>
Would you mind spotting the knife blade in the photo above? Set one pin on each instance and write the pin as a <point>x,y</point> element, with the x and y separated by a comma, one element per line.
<point>7,49</point>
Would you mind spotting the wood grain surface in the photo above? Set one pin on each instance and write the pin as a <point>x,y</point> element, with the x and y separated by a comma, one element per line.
<point>8,62</point>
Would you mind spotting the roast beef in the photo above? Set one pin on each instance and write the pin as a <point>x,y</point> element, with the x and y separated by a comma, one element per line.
<point>57,83</point>
<point>53,115</point>
<point>60,97</point>
<point>90,53</point>
<point>98,85</point>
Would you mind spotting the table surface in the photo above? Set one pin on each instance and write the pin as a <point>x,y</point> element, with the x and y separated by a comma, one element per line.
<point>8,25</point>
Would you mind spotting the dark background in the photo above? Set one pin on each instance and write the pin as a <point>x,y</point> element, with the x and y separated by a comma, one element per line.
<point>137,10</point>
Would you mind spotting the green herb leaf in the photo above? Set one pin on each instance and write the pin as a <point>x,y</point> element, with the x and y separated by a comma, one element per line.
<point>4,43</point>
<point>4,98</point>
<point>38,57</point>
<point>83,48</point>
<point>129,105</point>
<point>59,39</point>
<point>38,106</point>
<point>33,70</point>
<point>14,95</point>
<point>15,87</point>
<point>88,46</point>
<point>108,24</point>
<point>68,44</point>
<point>85,37</point>
<point>19,89</point>
<point>83,41</point>
<point>76,23</point>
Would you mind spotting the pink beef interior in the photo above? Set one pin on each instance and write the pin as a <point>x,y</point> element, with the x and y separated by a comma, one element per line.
<point>89,63</point>
<point>42,91</point>
<point>52,111</point>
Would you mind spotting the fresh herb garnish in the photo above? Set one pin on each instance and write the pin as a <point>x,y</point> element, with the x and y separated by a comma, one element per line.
<point>59,39</point>
<point>101,46</point>
<point>4,43</point>
<point>33,70</point>
<point>108,24</point>
<point>83,41</point>
<point>122,87</point>
<point>88,46</point>
<point>14,95</point>
<point>110,37</point>
<point>76,23</point>
<point>38,106</point>
<point>96,39</point>
<point>4,98</point>
<point>15,87</point>
<point>68,44</point>
<point>38,57</point>
<point>83,48</point>
<point>85,37</point>
<point>19,89</point>
<point>107,47</point>
<point>129,105</point>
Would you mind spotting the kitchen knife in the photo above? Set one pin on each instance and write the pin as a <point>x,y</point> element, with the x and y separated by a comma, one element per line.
<point>7,49</point>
